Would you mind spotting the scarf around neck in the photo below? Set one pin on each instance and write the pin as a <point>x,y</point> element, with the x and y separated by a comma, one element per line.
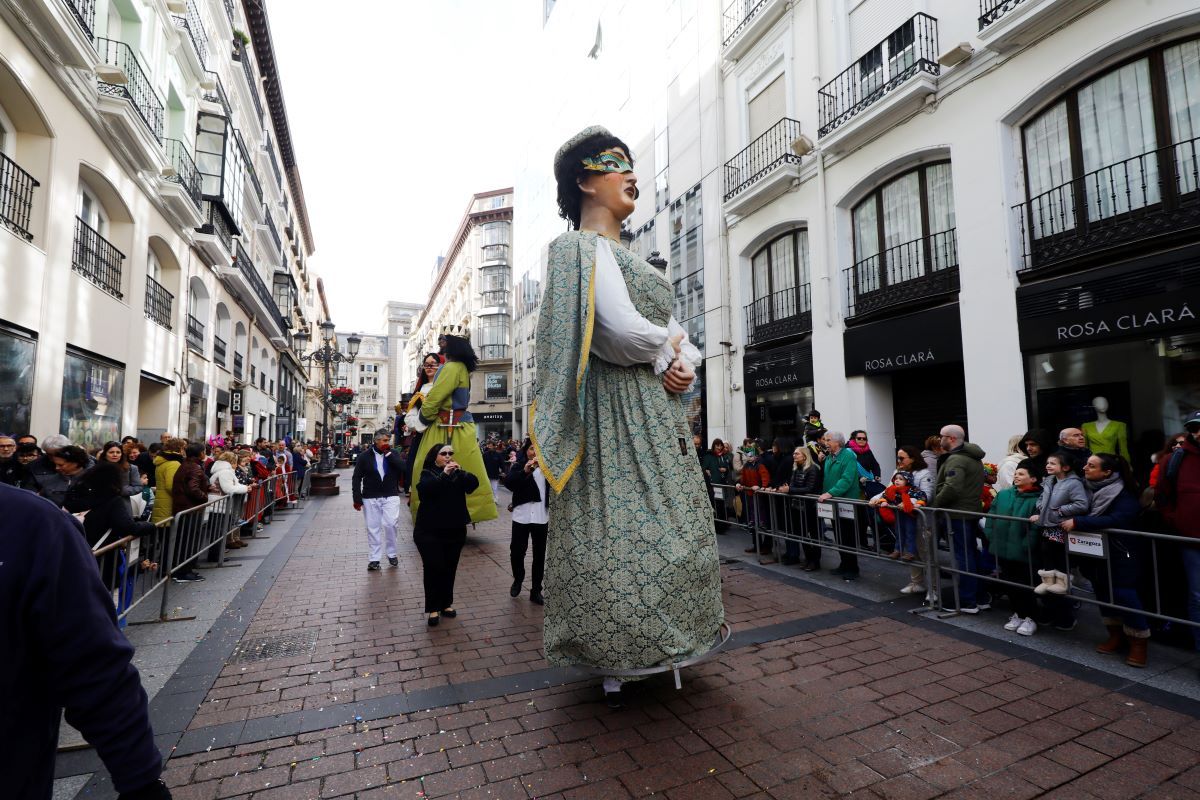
<point>1104,493</point>
<point>858,448</point>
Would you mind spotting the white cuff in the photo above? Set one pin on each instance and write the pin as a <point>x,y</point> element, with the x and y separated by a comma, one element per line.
<point>688,352</point>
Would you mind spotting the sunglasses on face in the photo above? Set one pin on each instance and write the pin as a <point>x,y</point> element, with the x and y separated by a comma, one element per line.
<point>860,438</point>
<point>429,366</point>
<point>446,453</point>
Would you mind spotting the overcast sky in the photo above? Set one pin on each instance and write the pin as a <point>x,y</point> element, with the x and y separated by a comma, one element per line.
<point>399,112</point>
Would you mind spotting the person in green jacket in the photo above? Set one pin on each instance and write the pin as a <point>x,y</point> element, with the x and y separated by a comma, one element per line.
<point>1012,541</point>
<point>959,487</point>
<point>841,480</point>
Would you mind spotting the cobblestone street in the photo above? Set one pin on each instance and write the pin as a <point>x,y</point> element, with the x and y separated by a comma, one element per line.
<point>335,687</point>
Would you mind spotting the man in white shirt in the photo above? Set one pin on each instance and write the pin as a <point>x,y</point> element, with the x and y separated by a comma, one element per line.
<point>376,489</point>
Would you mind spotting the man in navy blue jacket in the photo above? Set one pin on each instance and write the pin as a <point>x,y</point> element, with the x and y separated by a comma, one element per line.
<point>62,649</point>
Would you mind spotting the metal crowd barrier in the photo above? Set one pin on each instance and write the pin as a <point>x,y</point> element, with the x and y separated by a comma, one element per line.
<point>134,568</point>
<point>853,526</point>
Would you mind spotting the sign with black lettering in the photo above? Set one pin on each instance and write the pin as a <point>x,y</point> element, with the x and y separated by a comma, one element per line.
<point>922,339</point>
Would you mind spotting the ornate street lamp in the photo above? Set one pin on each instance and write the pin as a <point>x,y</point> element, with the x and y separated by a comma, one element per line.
<point>326,355</point>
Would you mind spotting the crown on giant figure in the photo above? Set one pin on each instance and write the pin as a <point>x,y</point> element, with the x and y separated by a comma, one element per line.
<point>461,331</point>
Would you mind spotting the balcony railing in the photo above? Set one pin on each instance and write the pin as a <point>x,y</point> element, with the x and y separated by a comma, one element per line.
<point>250,170</point>
<point>992,10</point>
<point>219,351</point>
<point>907,51</point>
<point>195,334</point>
<point>136,89</point>
<point>764,154</point>
<point>217,225</point>
<point>159,303</point>
<point>491,352</point>
<point>84,12</point>
<point>787,312</point>
<point>737,16</point>
<point>271,229</point>
<point>217,93</point>
<point>186,174</point>
<point>95,258</point>
<point>191,24</point>
<point>495,253</point>
<point>1154,196</point>
<point>240,54</point>
<point>260,288</point>
<point>903,275</point>
<point>16,197</point>
<point>237,365</point>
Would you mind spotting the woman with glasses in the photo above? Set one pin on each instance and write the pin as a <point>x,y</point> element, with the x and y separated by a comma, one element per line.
<point>1163,456</point>
<point>428,370</point>
<point>440,530</point>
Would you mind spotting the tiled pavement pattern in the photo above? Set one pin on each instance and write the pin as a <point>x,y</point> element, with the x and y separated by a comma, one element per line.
<point>372,638</point>
<point>864,702</point>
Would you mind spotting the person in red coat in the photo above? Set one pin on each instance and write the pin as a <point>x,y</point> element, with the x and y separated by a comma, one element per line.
<point>1177,495</point>
<point>754,476</point>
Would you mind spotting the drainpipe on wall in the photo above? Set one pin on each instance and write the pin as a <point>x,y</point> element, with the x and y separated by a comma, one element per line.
<point>827,242</point>
<point>726,268</point>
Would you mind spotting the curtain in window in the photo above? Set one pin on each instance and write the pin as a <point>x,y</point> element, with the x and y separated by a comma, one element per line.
<point>1048,167</point>
<point>1182,65</point>
<point>939,191</point>
<point>904,251</point>
<point>803,303</point>
<point>1116,129</point>
<point>866,247</point>
<point>783,277</point>
<point>760,267</point>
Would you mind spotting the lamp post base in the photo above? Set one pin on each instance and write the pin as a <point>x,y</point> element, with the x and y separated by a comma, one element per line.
<point>325,484</point>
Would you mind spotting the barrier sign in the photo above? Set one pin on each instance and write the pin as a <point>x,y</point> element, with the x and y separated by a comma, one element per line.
<point>825,511</point>
<point>1086,544</point>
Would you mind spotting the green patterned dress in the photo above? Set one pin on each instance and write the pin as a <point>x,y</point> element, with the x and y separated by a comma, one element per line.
<point>632,574</point>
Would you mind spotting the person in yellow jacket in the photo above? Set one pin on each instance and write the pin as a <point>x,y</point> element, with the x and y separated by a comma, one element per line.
<point>445,412</point>
<point>166,464</point>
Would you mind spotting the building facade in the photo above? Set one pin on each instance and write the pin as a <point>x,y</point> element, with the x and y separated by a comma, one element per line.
<point>924,212</point>
<point>166,298</point>
<point>400,318</point>
<point>368,376</point>
<point>472,287</point>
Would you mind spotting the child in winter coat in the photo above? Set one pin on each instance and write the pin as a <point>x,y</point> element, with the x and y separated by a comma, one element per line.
<point>1014,543</point>
<point>754,476</point>
<point>1064,496</point>
<point>898,508</point>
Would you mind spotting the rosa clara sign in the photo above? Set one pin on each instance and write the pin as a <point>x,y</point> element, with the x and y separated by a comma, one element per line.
<point>1131,323</point>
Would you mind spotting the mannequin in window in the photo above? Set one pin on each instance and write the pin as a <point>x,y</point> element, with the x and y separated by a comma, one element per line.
<point>1106,435</point>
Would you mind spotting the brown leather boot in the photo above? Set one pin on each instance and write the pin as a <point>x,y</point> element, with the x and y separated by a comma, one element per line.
<point>1115,641</point>
<point>1137,652</point>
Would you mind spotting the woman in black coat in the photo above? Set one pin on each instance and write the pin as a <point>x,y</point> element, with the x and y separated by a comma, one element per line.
<point>805,479</point>
<point>440,530</point>
<point>530,505</point>
<point>101,494</point>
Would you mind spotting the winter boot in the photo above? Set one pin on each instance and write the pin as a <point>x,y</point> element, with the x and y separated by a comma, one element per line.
<point>1137,651</point>
<point>1116,640</point>
<point>1047,576</point>
<point>1061,583</point>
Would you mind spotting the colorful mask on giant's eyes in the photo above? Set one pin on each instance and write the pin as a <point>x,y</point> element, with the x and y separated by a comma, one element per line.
<point>608,161</point>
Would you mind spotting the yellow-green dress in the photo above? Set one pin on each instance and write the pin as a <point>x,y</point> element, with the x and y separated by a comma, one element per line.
<point>632,574</point>
<point>451,392</point>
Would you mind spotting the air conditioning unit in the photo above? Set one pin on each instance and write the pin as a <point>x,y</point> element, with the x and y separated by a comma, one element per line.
<point>107,73</point>
<point>952,58</point>
<point>177,6</point>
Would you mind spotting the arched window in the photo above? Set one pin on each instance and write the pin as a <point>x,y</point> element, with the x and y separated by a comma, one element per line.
<point>904,230</point>
<point>1121,142</point>
<point>197,318</point>
<point>779,276</point>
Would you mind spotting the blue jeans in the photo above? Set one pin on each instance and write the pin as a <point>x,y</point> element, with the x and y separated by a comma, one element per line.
<point>1191,565</point>
<point>962,534</point>
<point>906,527</point>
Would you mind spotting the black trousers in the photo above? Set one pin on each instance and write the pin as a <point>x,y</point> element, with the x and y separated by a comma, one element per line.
<point>521,534</point>
<point>440,550</point>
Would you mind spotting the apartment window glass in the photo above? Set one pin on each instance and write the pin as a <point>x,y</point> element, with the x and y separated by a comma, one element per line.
<point>779,274</point>
<point>493,336</point>
<point>1116,123</point>
<point>17,355</point>
<point>495,233</point>
<point>905,229</point>
<point>687,271</point>
<point>92,397</point>
<point>661,190</point>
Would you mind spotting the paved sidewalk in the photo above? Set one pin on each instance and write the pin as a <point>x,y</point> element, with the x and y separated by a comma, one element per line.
<point>324,681</point>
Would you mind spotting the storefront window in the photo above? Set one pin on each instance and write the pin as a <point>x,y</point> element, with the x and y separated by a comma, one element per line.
<point>91,401</point>
<point>16,382</point>
<point>1150,385</point>
<point>780,413</point>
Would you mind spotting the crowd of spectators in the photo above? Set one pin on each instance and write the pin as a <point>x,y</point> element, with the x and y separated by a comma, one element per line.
<point>1008,526</point>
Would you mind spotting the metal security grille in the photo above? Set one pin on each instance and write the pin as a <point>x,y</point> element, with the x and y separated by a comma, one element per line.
<point>286,645</point>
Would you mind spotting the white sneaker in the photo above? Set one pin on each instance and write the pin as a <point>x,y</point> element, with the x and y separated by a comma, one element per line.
<point>1027,628</point>
<point>913,588</point>
<point>1013,623</point>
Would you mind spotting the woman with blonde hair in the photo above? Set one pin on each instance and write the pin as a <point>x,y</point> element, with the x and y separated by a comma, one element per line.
<point>224,481</point>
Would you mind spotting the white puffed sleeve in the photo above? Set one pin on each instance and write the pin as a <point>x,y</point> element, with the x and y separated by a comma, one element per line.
<point>620,334</point>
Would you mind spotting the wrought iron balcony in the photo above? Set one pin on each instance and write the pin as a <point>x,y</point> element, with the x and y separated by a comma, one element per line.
<point>16,197</point>
<point>909,50</point>
<point>493,352</point>
<point>136,89</point>
<point>219,351</point>
<point>762,157</point>
<point>217,93</point>
<point>253,173</point>
<point>191,24</point>
<point>271,229</point>
<point>237,366</point>
<point>992,10</point>
<point>240,55</point>
<point>159,303</point>
<point>84,12</point>
<point>905,275</point>
<point>1151,200</point>
<point>744,22</point>
<point>195,334</point>
<point>96,259</point>
<point>217,225</point>
<point>250,273</point>
<point>186,174</point>
<point>787,312</point>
